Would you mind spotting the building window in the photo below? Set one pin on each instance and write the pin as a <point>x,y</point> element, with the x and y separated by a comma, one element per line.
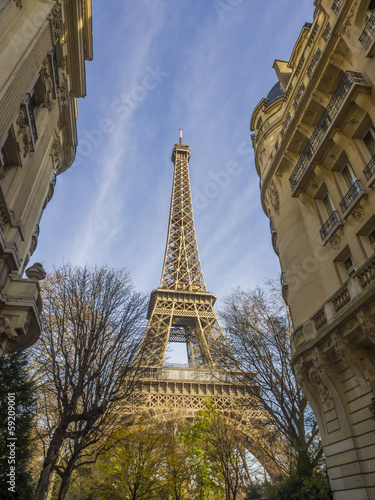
<point>371,237</point>
<point>369,139</point>
<point>349,266</point>
<point>328,204</point>
<point>345,265</point>
<point>331,218</point>
<point>348,175</point>
<point>8,153</point>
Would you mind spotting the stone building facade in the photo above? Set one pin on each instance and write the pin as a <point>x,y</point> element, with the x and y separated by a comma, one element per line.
<point>43,48</point>
<point>314,142</point>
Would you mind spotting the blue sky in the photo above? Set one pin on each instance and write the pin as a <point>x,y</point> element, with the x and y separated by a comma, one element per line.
<point>161,65</point>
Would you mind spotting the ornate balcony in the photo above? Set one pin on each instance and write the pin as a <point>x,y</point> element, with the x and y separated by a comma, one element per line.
<point>336,6</point>
<point>341,298</point>
<point>366,274</point>
<point>354,193</point>
<point>368,34</point>
<point>348,81</point>
<point>330,225</point>
<point>369,171</point>
<point>320,319</point>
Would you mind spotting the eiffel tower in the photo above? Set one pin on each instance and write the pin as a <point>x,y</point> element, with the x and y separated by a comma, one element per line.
<point>181,310</point>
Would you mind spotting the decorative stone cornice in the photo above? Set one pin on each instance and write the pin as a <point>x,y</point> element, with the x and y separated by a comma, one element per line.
<point>57,152</point>
<point>48,84</point>
<point>24,131</point>
<point>63,92</point>
<point>273,196</point>
<point>56,22</point>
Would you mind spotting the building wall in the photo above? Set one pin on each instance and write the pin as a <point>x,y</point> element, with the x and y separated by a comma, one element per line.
<point>314,142</point>
<point>43,48</point>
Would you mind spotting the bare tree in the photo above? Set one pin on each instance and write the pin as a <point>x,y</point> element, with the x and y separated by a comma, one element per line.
<point>92,330</point>
<point>258,329</point>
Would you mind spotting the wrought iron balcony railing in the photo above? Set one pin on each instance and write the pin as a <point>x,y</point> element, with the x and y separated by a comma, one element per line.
<point>30,112</point>
<point>369,171</point>
<point>368,34</point>
<point>336,6</point>
<point>328,226</point>
<point>348,80</point>
<point>351,196</point>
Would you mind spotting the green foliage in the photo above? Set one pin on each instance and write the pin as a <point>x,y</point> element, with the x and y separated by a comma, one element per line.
<point>308,480</point>
<point>129,470</point>
<point>154,460</point>
<point>215,455</point>
<point>14,380</point>
<point>254,492</point>
<point>207,480</point>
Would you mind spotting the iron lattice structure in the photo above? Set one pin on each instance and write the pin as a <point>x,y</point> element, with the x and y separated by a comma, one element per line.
<point>181,310</point>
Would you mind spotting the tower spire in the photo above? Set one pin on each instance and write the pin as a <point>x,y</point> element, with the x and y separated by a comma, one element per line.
<point>182,267</point>
<point>181,309</point>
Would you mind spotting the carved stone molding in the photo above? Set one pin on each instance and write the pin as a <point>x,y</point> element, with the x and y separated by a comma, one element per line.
<point>290,157</point>
<point>51,190</point>
<point>337,61</point>
<point>333,156</point>
<point>24,131</point>
<point>48,84</point>
<point>57,26</point>
<point>300,371</point>
<point>261,152</point>
<point>63,92</point>
<point>318,362</point>
<point>57,152</point>
<point>367,325</point>
<point>358,213</point>
<point>326,78</point>
<point>335,241</point>
<point>273,196</point>
<point>7,329</point>
<point>345,26</point>
<point>33,244</point>
<point>304,130</point>
<point>318,97</point>
<point>319,386</point>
